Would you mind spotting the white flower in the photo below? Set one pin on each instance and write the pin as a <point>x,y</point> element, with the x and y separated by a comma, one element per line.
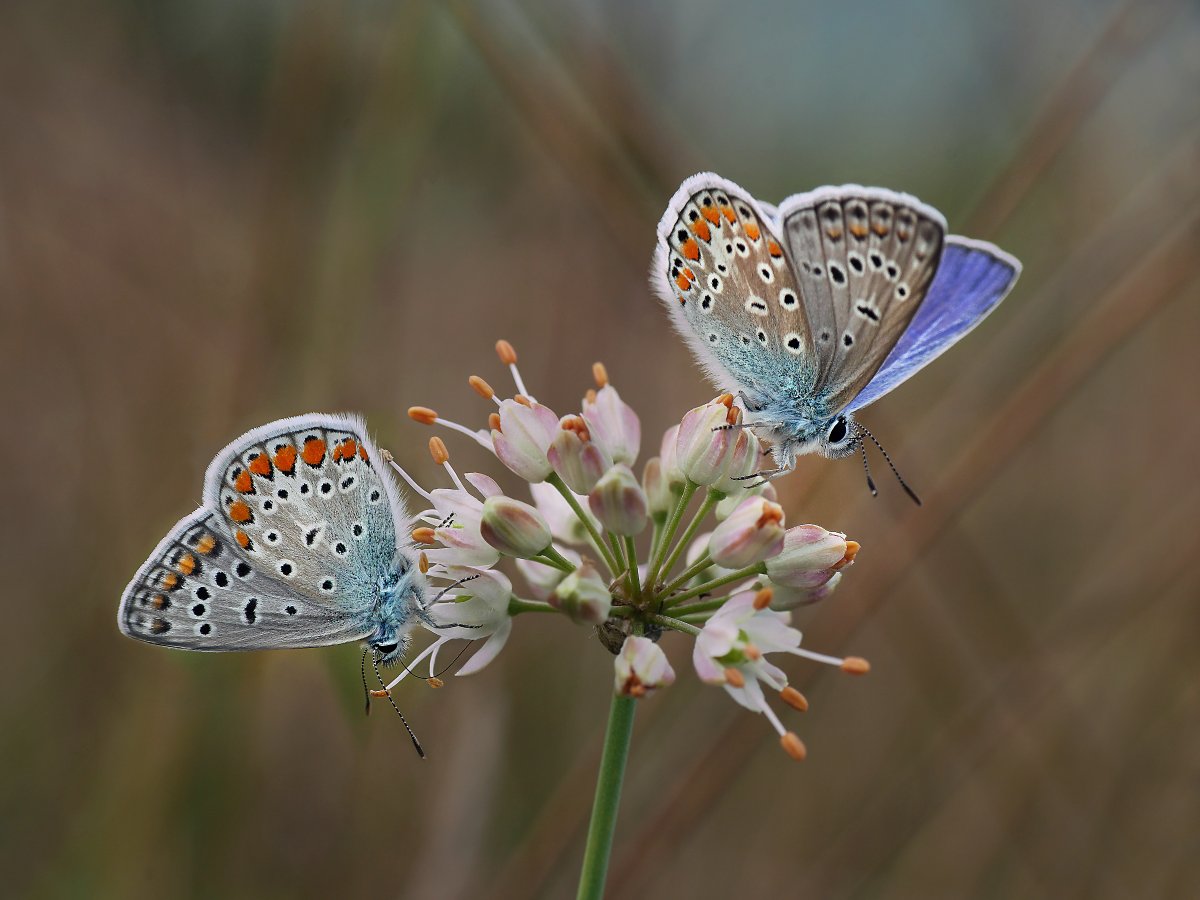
<point>613,424</point>
<point>641,667</point>
<point>523,438</point>
<point>463,544</point>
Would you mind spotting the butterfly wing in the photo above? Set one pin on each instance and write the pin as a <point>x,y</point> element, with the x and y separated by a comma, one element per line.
<point>971,280</point>
<point>864,259</point>
<point>298,517</point>
<point>724,274</point>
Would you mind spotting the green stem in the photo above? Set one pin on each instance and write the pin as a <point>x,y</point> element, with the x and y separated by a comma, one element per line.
<point>598,542</point>
<point>631,561</point>
<point>659,521</point>
<point>689,489</point>
<point>691,572</point>
<point>698,609</point>
<point>711,499</point>
<point>675,624</point>
<point>756,569</point>
<point>553,558</point>
<point>516,606</point>
<point>615,545</point>
<point>608,797</point>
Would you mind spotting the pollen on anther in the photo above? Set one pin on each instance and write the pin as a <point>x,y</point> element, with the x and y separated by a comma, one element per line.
<point>793,746</point>
<point>422,414</point>
<point>599,374</point>
<point>763,598</point>
<point>855,665</point>
<point>725,400</point>
<point>752,651</point>
<point>481,387</point>
<point>852,548</point>
<point>794,699</point>
<point>437,449</point>
<point>434,682</point>
<point>423,535</point>
<point>423,563</point>
<point>494,421</point>
<point>505,351</point>
<point>734,677</point>
<point>523,400</point>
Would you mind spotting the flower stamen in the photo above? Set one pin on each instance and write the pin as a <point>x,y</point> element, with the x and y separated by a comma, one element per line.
<point>508,356</point>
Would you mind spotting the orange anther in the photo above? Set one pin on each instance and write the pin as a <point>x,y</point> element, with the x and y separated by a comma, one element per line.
<point>437,449</point>
<point>577,425</point>
<point>752,651</point>
<point>794,699</point>
<point>481,387</point>
<point>523,400</point>
<point>494,421</point>
<point>422,414</point>
<point>763,598</point>
<point>733,416</point>
<point>590,396</point>
<point>793,747</point>
<point>734,677</point>
<point>600,374</point>
<point>434,682</point>
<point>725,400</point>
<point>855,665</point>
<point>424,535</point>
<point>852,548</point>
<point>772,512</point>
<point>423,563</point>
<point>505,351</point>
<point>379,694</point>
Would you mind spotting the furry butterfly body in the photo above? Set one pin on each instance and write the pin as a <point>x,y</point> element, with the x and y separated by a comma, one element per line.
<point>813,309</point>
<point>295,545</point>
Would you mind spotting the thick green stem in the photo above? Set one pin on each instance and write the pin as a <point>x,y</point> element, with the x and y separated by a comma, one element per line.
<point>597,541</point>
<point>554,559</point>
<point>608,797</point>
<point>516,606</point>
<point>675,624</point>
<point>689,489</point>
<point>748,572</point>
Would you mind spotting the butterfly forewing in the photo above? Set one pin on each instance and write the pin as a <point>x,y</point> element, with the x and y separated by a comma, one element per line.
<point>198,591</point>
<point>729,272</point>
<point>864,258</point>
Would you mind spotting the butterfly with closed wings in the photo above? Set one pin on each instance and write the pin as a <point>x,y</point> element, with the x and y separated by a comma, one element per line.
<point>295,545</point>
<point>813,309</point>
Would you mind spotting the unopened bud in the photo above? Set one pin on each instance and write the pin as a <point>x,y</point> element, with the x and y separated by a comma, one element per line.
<point>583,596</point>
<point>753,533</point>
<point>619,502</point>
<point>514,528</point>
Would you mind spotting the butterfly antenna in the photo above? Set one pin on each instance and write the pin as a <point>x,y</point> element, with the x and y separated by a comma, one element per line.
<point>911,493</point>
<point>388,694</point>
<point>867,470</point>
<point>366,693</point>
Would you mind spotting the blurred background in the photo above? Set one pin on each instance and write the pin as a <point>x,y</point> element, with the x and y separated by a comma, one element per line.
<point>215,213</point>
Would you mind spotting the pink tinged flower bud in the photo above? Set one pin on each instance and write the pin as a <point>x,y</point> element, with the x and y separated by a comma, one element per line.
<point>659,498</point>
<point>784,598</point>
<point>809,557</point>
<point>745,458</point>
<point>753,533</point>
<point>614,425</point>
<point>514,528</point>
<point>669,457</point>
<point>578,459</point>
<point>543,579</point>
<point>703,451</point>
<point>583,596</point>
<point>619,502</point>
<point>735,499</point>
<point>524,436</point>
<point>641,667</point>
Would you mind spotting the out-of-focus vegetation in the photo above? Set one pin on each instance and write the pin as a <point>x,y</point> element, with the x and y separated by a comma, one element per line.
<point>215,213</point>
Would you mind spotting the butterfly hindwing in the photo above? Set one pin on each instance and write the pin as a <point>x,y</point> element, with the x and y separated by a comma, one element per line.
<point>728,281</point>
<point>198,591</point>
<point>972,278</point>
<point>864,258</point>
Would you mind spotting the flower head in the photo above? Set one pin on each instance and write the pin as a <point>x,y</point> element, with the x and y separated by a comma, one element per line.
<point>613,423</point>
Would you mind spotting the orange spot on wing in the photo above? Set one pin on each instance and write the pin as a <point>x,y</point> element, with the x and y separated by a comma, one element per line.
<point>701,230</point>
<point>681,281</point>
<point>727,211</point>
<point>244,483</point>
<point>349,448</point>
<point>260,465</point>
<point>242,538</point>
<point>187,564</point>
<point>774,249</point>
<point>834,233</point>
<point>314,451</point>
<point>879,229</point>
<point>207,544</point>
<point>690,249</point>
<point>362,452</point>
<point>859,231</point>
<point>285,459</point>
<point>169,580</point>
<point>239,512</point>
<point>710,213</point>
<point>752,231</point>
<point>158,601</point>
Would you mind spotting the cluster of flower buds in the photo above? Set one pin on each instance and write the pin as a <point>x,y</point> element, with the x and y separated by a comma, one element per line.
<point>597,544</point>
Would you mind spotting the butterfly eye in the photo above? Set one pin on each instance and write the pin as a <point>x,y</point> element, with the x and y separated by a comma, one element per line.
<point>837,432</point>
<point>385,649</point>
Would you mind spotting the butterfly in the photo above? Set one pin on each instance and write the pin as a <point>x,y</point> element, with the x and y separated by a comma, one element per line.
<point>295,545</point>
<point>817,307</point>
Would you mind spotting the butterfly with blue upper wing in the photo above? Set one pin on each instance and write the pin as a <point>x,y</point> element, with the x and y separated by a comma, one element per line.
<point>813,309</point>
